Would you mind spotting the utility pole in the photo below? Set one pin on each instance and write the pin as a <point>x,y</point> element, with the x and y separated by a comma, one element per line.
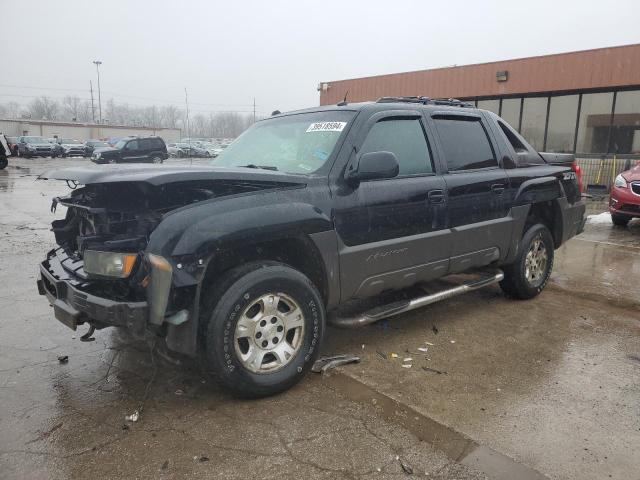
<point>93,109</point>
<point>186,102</point>
<point>254,109</point>
<point>98,63</point>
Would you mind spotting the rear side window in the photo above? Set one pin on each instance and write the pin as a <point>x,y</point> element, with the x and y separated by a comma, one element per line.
<point>405,138</point>
<point>145,144</point>
<point>157,143</point>
<point>465,144</point>
<point>517,145</point>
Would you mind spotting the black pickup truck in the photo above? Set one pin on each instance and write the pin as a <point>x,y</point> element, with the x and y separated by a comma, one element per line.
<point>307,213</point>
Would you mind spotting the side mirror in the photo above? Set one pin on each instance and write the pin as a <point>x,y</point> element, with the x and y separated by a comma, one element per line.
<point>375,165</point>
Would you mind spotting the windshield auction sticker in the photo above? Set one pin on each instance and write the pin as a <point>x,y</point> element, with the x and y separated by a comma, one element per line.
<point>326,127</point>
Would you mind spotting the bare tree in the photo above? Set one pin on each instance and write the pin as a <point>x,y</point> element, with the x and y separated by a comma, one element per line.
<point>44,108</point>
<point>170,115</point>
<point>71,106</point>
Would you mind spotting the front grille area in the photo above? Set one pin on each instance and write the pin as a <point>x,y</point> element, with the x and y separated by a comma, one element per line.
<point>635,188</point>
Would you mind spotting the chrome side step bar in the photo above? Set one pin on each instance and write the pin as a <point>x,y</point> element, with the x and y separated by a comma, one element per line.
<point>395,308</point>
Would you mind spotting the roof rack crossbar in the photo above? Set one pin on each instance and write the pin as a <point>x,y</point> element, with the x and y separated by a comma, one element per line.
<point>452,102</point>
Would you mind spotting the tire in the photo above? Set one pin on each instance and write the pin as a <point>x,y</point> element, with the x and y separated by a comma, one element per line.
<point>156,159</point>
<point>3,162</point>
<point>620,220</point>
<point>245,292</point>
<point>522,279</point>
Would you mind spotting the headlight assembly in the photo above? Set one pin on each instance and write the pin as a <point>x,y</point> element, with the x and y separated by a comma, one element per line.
<point>109,264</point>
<point>620,182</point>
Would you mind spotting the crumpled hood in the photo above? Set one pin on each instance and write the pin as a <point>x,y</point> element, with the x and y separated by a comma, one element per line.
<point>161,175</point>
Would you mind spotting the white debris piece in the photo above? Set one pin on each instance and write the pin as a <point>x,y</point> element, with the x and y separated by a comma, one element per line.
<point>133,417</point>
<point>406,365</point>
<point>423,349</point>
<point>408,359</point>
<point>603,218</point>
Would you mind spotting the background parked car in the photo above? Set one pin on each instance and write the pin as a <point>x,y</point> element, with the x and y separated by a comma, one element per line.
<point>57,148</point>
<point>32,146</point>
<point>133,150</point>
<point>91,146</point>
<point>175,151</point>
<point>13,145</point>
<point>71,147</point>
<point>624,203</point>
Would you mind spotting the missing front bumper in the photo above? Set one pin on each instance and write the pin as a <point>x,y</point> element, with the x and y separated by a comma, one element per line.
<point>72,306</point>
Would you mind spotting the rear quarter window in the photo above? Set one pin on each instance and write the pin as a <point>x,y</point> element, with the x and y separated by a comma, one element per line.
<point>465,143</point>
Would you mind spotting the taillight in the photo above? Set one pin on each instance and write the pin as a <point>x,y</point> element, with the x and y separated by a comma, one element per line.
<point>576,168</point>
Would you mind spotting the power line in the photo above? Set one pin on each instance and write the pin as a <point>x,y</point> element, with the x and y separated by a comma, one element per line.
<point>118,94</point>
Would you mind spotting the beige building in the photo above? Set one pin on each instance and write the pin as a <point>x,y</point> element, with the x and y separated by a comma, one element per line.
<point>81,131</point>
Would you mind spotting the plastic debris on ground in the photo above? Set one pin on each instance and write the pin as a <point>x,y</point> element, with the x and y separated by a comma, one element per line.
<point>324,364</point>
<point>405,466</point>
<point>439,372</point>
<point>63,359</point>
<point>406,365</point>
<point>133,417</point>
<point>394,355</point>
<point>423,349</point>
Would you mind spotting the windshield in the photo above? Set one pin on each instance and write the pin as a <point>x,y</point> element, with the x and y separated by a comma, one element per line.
<point>71,141</point>
<point>121,143</point>
<point>98,144</point>
<point>295,143</point>
<point>34,140</point>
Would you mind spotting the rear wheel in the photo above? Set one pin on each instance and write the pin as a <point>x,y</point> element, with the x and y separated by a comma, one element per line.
<point>3,162</point>
<point>261,328</point>
<point>527,276</point>
<point>620,220</point>
<point>156,159</point>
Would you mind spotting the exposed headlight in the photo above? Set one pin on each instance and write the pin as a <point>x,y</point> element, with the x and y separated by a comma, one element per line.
<point>109,264</point>
<point>31,147</point>
<point>620,182</point>
<point>96,156</point>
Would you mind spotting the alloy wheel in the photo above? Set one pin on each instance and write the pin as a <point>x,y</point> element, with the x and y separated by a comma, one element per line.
<point>269,333</point>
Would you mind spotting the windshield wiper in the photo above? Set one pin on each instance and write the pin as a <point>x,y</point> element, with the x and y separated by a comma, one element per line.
<point>263,167</point>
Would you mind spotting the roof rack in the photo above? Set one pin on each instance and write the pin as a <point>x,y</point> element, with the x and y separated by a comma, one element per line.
<point>451,102</point>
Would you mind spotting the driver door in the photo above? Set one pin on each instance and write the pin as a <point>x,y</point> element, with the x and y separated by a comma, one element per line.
<point>131,151</point>
<point>392,231</point>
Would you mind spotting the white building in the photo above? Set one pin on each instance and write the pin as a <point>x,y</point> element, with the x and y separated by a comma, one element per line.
<point>81,131</point>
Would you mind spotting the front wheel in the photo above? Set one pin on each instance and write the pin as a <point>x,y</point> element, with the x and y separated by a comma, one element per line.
<point>3,162</point>
<point>261,328</point>
<point>527,276</point>
<point>620,220</point>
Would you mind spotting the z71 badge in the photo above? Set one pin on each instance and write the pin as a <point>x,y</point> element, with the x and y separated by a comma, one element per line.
<point>569,176</point>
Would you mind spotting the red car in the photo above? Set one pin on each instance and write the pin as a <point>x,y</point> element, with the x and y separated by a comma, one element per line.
<point>625,197</point>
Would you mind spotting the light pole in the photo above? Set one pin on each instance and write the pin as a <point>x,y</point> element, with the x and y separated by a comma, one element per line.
<point>98,63</point>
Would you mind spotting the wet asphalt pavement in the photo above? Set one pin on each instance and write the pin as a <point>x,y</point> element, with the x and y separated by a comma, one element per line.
<point>505,389</point>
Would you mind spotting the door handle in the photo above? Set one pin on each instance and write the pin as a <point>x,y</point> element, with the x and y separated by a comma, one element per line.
<point>497,188</point>
<point>436,196</point>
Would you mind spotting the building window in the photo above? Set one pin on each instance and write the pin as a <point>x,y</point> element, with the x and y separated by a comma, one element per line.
<point>465,144</point>
<point>593,125</point>
<point>625,131</point>
<point>534,115</point>
<point>562,124</point>
<point>511,111</point>
<point>491,105</point>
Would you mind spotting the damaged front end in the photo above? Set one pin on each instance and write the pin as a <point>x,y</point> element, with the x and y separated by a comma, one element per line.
<point>102,272</point>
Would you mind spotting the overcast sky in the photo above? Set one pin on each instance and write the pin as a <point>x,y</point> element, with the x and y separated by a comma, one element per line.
<point>227,53</point>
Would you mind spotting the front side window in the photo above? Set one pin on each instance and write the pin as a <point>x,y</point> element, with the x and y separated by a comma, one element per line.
<point>132,145</point>
<point>404,138</point>
<point>465,144</point>
<point>298,143</point>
